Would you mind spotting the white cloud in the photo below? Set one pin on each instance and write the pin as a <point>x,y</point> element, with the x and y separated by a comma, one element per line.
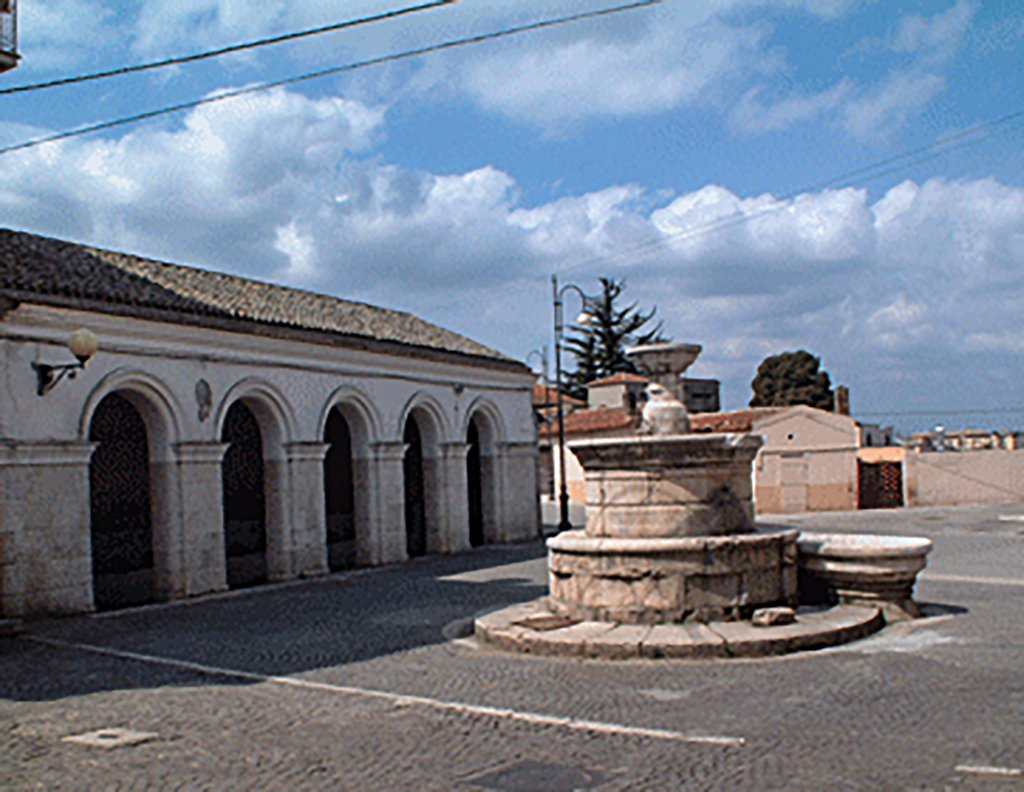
<point>668,66</point>
<point>278,187</point>
<point>56,34</point>
<point>888,106</point>
<point>753,115</point>
<point>936,39</point>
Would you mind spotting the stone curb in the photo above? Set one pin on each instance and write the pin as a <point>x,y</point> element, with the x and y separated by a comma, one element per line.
<point>530,628</point>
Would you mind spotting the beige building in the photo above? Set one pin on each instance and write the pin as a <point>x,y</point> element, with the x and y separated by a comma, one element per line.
<point>229,432</point>
<point>808,461</point>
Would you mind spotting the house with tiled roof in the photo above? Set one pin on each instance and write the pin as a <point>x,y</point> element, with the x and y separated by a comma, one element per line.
<point>227,432</point>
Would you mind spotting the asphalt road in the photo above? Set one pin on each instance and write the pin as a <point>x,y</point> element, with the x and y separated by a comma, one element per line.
<point>362,681</point>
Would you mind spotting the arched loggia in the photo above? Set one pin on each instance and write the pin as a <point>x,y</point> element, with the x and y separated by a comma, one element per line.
<point>339,493</point>
<point>474,486</point>
<point>245,530</point>
<point>482,478</point>
<point>120,506</point>
<point>415,495</point>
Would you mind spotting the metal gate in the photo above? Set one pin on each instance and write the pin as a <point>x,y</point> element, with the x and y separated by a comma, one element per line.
<point>880,485</point>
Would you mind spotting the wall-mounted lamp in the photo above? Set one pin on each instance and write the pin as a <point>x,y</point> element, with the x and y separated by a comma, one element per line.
<point>83,345</point>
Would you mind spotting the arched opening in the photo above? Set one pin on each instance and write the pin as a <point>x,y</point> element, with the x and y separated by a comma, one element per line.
<point>474,486</point>
<point>482,478</point>
<point>415,500</point>
<point>120,508</point>
<point>339,493</point>
<point>245,530</point>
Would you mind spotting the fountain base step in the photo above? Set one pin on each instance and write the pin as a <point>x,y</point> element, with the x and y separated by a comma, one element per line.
<point>531,628</point>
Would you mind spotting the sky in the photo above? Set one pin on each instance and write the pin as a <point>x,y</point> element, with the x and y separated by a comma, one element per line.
<point>840,176</point>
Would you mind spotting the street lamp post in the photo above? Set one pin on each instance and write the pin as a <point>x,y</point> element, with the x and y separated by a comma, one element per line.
<point>584,318</point>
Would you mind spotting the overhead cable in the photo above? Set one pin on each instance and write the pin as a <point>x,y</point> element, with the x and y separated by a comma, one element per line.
<point>220,97</point>
<point>227,50</point>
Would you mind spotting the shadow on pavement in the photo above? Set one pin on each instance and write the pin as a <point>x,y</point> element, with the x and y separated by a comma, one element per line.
<point>330,621</point>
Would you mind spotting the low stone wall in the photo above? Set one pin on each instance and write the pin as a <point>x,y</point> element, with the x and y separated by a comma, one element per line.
<point>651,581</point>
<point>946,479</point>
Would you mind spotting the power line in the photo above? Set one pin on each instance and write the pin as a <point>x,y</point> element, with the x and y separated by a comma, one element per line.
<point>333,70</point>
<point>226,50</point>
<point>910,414</point>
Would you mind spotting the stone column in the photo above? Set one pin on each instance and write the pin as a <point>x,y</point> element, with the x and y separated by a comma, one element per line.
<point>45,543</point>
<point>201,566</point>
<point>308,521</point>
<point>517,492</point>
<point>454,488</point>
<point>387,521</point>
<point>364,488</point>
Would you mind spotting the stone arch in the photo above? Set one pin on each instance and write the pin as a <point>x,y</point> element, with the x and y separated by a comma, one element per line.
<point>135,547</point>
<point>361,414</point>
<point>423,432</point>
<point>484,434</point>
<point>349,540</point>
<point>152,398</point>
<point>270,407</point>
<point>245,479</point>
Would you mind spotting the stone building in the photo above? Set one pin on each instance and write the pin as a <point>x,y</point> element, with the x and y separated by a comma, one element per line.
<point>230,432</point>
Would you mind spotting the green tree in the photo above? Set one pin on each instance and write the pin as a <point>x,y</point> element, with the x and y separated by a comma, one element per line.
<point>792,378</point>
<point>600,345</point>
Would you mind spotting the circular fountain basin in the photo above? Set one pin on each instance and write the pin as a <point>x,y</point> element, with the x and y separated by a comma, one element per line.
<point>668,486</point>
<point>666,580</point>
<point>867,570</point>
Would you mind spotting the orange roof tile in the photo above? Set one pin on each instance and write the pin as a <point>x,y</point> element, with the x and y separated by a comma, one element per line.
<point>545,395</point>
<point>734,421</point>
<point>618,379</point>
<point>593,422</point>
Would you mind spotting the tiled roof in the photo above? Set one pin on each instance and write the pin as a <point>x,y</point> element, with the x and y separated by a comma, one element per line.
<point>50,271</point>
<point>595,422</point>
<point>735,421</point>
<point>545,395</point>
<point>618,379</point>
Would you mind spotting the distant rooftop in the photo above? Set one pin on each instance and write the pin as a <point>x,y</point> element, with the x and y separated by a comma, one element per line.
<point>618,379</point>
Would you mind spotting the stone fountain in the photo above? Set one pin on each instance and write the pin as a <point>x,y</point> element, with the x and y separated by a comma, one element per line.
<point>670,563</point>
<point>670,529</point>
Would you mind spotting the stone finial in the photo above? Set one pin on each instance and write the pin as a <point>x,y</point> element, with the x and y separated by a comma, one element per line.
<point>663,414</point>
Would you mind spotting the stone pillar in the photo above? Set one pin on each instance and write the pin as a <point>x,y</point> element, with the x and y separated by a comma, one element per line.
<point>387,521</point>
<point>453,519</point>
<point>202,565</point>
<point>45,544</point>
<point>308,521</point>
<point>364,488</point>
<point>517,492</point>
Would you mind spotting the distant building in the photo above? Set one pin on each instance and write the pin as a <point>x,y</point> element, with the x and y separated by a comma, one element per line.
<point>701,395</point>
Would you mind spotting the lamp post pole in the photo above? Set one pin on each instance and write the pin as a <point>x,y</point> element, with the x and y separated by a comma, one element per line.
<point>563,493</point>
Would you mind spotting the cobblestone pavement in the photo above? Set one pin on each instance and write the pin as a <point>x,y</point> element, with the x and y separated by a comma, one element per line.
<point>360,681</point>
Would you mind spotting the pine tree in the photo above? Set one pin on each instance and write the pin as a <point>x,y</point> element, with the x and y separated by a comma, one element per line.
<point>600,346</point>
<point>792,378</point>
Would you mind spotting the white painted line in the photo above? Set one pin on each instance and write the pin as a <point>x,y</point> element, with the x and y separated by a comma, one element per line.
<point>1011,517</point>
<point>403,700</point>
<point>985,770</point>
<point>111,738</point>
<point>987,581</point>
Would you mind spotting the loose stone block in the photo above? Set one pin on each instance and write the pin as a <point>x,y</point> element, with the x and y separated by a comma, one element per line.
<point>772,617</point>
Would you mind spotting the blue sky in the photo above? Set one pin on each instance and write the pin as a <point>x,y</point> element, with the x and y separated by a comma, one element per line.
<point>697,149</point>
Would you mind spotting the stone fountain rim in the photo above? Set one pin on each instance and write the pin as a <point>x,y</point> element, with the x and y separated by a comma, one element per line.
<point>578,542</point>
<point>863,546</point>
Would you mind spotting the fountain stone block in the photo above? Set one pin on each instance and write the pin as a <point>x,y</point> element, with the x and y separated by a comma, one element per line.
<point>670,535</point>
